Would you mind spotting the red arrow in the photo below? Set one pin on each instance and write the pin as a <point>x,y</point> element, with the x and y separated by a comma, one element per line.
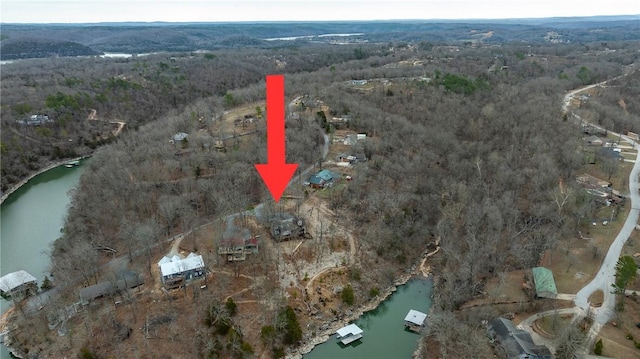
<point>276,173</point>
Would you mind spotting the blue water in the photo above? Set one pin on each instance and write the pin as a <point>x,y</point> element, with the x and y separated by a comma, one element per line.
<point>30,220</point>
<point>384,334</point>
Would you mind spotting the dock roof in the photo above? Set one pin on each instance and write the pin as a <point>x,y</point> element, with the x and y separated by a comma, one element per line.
<point>350,329</point>
<point>13,280</point>
<point>415,317</point>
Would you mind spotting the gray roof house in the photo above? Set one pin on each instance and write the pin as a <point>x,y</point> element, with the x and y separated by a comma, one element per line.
<point>129,280</point>
<point>515,343</point>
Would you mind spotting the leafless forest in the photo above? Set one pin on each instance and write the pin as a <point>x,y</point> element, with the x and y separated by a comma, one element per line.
<point>467,144</point>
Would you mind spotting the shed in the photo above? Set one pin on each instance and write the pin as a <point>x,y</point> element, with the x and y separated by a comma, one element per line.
<point>179,137</point>
<point>544,282</point>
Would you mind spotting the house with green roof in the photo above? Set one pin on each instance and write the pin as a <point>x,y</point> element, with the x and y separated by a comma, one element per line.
<point>544,282</point>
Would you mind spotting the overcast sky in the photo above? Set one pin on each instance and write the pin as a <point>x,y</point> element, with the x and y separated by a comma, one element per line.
<point>88,11</point>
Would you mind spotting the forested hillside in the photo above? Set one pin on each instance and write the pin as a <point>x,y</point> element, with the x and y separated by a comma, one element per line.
<point>466,145</point>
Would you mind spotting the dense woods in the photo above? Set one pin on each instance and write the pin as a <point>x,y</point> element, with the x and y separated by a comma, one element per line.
<point>467,147</point>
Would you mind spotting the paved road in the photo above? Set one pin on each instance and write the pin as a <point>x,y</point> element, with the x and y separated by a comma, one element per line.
<point>606,275</point>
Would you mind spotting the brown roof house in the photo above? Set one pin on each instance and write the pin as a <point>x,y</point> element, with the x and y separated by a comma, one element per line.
<point>237,243</point>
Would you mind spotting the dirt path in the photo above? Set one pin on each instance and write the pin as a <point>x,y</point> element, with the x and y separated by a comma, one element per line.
<point>93,116</point>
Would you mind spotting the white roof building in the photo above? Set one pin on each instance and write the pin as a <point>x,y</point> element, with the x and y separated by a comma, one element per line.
<point>176,265</point>
<point>415,317</point>
<point>349,334</point>
<point>13,280</point>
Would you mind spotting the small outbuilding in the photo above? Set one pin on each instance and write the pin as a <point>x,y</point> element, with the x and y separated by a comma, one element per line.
<point>544,282</point>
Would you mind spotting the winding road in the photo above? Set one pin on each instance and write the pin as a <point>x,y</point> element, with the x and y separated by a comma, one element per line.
<point>605,277</point>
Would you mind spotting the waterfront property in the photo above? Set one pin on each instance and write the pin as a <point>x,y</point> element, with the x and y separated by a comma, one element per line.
<point>414,320</point>
<point>175,270</point>
<point>349,334</point>
<point>516,343</point>
<point>18,285</point>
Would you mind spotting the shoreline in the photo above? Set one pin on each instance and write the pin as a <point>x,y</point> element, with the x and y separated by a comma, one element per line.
<point>421,271</point>
<point>51,166</point>
<point>326,334</point>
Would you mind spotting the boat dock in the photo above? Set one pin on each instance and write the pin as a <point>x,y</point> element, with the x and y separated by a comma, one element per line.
<point>72,164</point>
<point>349,334</point>
<point>414,320</point>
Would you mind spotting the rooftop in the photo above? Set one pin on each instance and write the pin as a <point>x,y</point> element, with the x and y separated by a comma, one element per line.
<point>350,329</point>
<point>545,284</point>
<point>175,265</point>
<point>13,280</point>
<point>415,317</point>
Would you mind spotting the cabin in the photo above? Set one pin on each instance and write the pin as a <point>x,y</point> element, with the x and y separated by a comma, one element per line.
<point>236,244</point>
<point>414,320</point>
<point>175,270</point>
<point>287,228</point>
<point>129,280</point>
<point>18,285</point>
<point>36,120</point>
<point>515,343</point>
<point>349,334</point>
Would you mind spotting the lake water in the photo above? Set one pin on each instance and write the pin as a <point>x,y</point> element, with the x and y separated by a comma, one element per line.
<point>30,220</point>
<point>384,334</point>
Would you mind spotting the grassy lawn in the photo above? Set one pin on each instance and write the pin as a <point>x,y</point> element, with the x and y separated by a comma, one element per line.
<point>615,338</point>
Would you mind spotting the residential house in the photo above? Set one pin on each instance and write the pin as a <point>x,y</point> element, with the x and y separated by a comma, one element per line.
<point>593,140</point>
<point>286,228</point>
<point>515,343</point>
<point>323,179</point>
<point>179,137</point>
<point>35,120</point>
<point>129,280</point>
<point>544,282</point>
<point>18,284</point>
<point>236,244</point>
<point>175,270</point>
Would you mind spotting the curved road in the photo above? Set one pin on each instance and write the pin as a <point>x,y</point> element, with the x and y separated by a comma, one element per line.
<point>605,277</point>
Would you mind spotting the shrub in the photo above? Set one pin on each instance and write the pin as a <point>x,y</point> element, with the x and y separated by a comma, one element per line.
<point>374,292</point>
<point>597,349</point>
<point>231,306</point>
<point>629,336</point>
<point>347,295</point>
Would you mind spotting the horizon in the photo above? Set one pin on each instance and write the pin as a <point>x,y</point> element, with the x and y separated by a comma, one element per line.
<point>50,12</point>
<point>249,22</point>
